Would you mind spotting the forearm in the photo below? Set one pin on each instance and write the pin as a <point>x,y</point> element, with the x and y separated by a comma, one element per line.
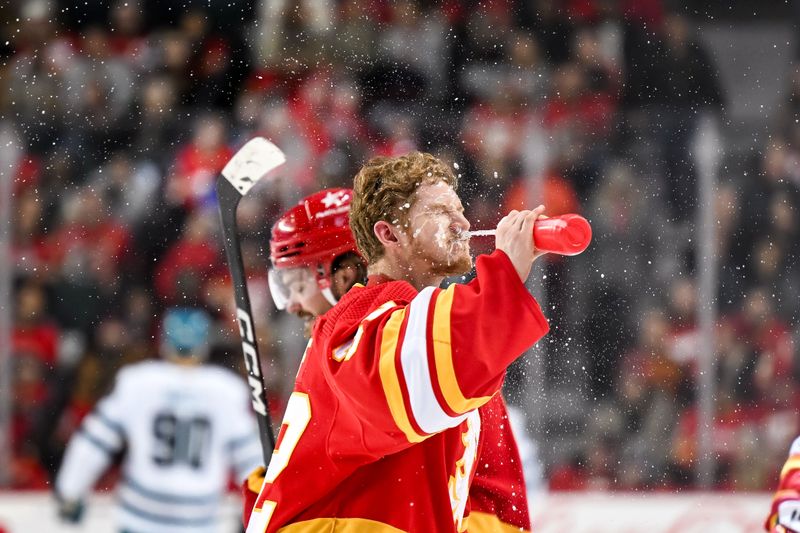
<point>492,321</point>
<point>84,462</point>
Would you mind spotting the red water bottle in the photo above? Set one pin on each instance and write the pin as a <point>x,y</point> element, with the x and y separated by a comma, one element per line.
<point>565,234</point>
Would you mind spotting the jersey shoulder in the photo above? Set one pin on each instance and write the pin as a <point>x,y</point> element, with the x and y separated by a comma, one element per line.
<point>225,377</point>
<point>158,371</point>
<point>222,384</point>
<point>141,371</point>
<point>359,302</point>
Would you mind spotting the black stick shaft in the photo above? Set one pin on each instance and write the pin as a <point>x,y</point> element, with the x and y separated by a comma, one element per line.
<point>228,198</point>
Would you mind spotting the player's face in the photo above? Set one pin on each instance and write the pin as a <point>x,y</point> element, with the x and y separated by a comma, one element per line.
<point>436,231</point>
<point>303,296</point>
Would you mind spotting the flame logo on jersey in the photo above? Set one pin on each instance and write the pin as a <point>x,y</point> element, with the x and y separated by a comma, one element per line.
<point>458,486</point>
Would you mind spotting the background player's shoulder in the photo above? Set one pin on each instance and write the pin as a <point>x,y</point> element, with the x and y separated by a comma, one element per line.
<point>223,373</point>
<point>142,370</point>
<point>226,379</point>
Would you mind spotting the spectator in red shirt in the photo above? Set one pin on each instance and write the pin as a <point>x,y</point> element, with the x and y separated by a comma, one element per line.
<point>34,348</point>
<point>190,260</point>
<point>191,182</point>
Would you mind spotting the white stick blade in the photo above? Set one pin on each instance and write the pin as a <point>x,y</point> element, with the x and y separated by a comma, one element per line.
<point>253,160</point>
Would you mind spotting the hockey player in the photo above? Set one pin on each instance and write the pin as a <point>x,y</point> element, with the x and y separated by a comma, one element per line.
<point>784,517</point>
<point>315,261</point>
<point>183,426</point>
<point>314,256</point>
<point>382,430</point>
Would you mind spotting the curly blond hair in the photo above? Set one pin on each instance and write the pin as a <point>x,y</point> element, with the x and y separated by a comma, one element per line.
<point>382,186</point>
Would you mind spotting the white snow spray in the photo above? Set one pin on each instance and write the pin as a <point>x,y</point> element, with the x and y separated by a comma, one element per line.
<point>481,233</point>
<point>445,238</point>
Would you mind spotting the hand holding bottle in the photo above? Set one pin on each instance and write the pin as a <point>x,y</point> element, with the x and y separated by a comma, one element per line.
<point>565,235</point>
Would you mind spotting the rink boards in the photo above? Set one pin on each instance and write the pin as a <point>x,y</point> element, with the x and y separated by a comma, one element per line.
<point>690,512</point>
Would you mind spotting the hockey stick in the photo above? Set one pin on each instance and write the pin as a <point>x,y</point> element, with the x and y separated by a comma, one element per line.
<point>254,160</point>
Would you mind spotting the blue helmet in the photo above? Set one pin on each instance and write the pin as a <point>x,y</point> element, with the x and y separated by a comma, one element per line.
<point>185,332</point>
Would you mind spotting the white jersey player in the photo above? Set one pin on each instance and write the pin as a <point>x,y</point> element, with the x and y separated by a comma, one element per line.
<point>183,426</point>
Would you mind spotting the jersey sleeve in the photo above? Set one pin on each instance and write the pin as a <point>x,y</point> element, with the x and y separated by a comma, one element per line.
<point>784,516</point>
<point>99,438</point>
<point>414,370</point>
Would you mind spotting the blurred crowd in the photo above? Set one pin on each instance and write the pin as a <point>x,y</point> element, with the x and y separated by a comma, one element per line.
<point>117,117</point>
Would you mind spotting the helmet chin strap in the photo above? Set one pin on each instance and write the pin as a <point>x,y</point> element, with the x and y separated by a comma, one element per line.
<point>328,294</point>
<point>324,282</point>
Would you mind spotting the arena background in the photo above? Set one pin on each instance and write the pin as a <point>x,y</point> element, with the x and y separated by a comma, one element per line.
<point>667,392</point>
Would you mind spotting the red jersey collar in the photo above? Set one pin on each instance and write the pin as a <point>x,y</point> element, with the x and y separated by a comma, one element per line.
<point>377,279</point>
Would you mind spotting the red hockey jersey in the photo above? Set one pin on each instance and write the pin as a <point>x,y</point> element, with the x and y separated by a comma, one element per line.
<point>382,431</point>
<point>784,516</point>
<point>498,499</point>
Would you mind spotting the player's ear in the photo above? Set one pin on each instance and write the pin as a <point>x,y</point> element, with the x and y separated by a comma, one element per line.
<point>386,233</point>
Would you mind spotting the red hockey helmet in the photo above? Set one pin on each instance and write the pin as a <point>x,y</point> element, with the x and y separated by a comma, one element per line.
<point>312,234</point>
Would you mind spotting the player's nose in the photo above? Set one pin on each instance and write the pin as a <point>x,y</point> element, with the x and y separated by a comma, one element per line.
<point>460,223</point>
